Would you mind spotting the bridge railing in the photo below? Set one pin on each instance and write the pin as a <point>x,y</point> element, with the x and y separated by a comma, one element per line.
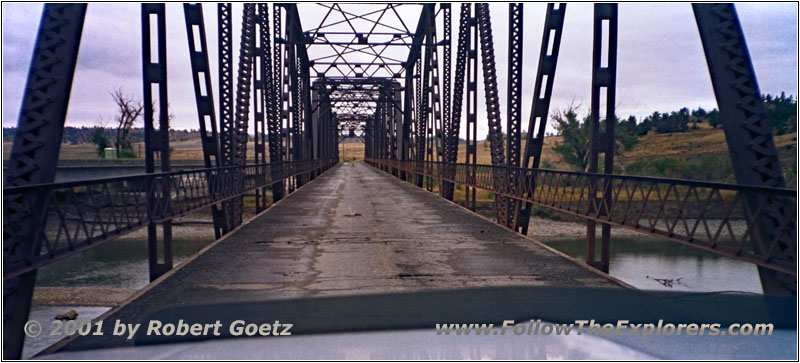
<point>70,217</point>
<point>710,216</point>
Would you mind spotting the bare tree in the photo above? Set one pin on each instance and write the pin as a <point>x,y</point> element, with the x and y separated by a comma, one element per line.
<point>129,111</point>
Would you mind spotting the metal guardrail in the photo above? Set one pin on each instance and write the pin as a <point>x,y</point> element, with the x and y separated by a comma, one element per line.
<point>706,215</point>
<point>122,162</point>
<point>70,217</point>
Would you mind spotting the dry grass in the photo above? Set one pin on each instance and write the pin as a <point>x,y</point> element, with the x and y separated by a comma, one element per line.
<point>683,146</point>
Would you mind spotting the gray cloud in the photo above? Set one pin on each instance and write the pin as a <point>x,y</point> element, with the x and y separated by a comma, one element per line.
<point>661,63</point>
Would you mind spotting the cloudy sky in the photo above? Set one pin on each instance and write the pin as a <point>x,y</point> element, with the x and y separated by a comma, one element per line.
<point>660,63</point>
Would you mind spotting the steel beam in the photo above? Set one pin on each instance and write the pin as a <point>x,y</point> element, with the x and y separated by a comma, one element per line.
<point>749,137</point>
<point>453,129</point>
<point>542,92</point>
<point>226,127</point>
<point>242,107</point>
<point>275,124</point>
<point>204,99</point>
<point>492,104</point>
<point>604,79</point>
<point>472,109</point>
<point>261,82</point>
<point>34,155</point>
<point>514,101</point>
<point>156,141</point>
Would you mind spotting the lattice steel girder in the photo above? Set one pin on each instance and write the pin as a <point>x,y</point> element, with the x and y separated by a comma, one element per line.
<point>303,109</point>
<point>275,122</point>
<point>295,103</point>
<point>425,131</point>
<point>263,132</point>
<point>435,89</point>
<point>226,127</point>
<point>446,9</point>
<point>454,124</point>
<point>156,141</point>
<point>604,78</point>
<point>514,92</point>
<point>225,64</point>
<point>34,154</point>
<point>404,141</point>
<point>542,92</point>
<point>207,119</point>
<point>397,123</point>
<point>492,102</point>
<point>259,90</point>
<point>748,135</point>
<point>514,97</point>
<point>242,106</point>
<point>472,103</point>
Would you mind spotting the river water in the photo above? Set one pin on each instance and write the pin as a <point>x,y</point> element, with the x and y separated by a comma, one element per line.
<point>651,263</point>
<point>121,263</point>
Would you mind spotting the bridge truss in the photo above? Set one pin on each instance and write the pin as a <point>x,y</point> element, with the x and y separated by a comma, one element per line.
<point>368,71</point>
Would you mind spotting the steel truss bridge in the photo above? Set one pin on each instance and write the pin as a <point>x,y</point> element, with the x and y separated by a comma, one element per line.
<point>303,86</point>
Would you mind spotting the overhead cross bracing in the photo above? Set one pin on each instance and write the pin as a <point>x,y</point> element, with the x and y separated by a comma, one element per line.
<point>358,53</point>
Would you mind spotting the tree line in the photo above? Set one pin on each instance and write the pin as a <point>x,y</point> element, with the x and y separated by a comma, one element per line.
<point>575,132</point>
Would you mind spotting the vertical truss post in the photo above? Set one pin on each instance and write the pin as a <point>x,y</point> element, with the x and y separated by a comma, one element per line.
<point>326,132</point>
<point>412,107</point>
<point>379,127</point>
<point>300,73</point>
<point>454,127</point>
<point>204,97</point>
<point>472,110</point>
<point>749,137</point>
<point>436,109</point>
<point>542,92</point>
<point>156,141</point>
<point>420,124</point>
<point>492,107</point>
<point>275,123</point>
<point>242,110</point>
<point>604,79</point>
<point>287,92</point>
<point>445,188</point>
<point>316,121</point>
<point>405,134</point>
<point>426,122</point>
<point>34,155</point>
<point>384,114</point>
<point>514,106</point>
<point>296,125</point>
<point>397,125</point>
<point>225,64</point>
<point>310,133</point>
<point>268,84</point>
<point>260,109</point>
<point>369,140</point>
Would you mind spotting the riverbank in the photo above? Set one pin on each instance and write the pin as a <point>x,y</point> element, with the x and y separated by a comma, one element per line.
<point>79,295</point>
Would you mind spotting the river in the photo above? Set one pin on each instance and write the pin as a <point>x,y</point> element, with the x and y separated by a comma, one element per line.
<point>652,263</point>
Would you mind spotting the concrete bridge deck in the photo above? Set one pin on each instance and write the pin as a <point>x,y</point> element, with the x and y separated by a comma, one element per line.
<point>354,230</point>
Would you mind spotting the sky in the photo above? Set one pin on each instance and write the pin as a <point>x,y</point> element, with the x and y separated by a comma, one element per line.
<point>661,66</point>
